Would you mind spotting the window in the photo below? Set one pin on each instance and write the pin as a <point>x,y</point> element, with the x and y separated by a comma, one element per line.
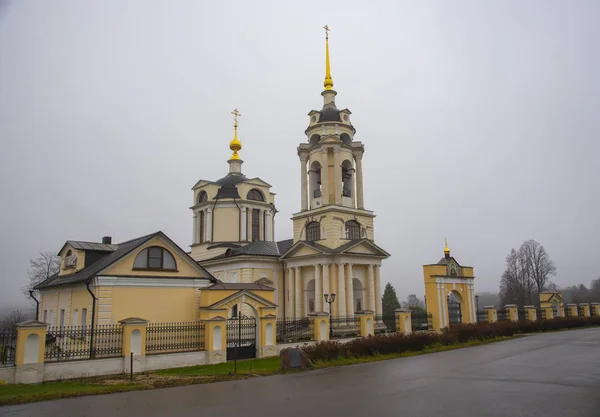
<point>313,231</point>
<point>255,225</point>
<point>75,317</point>
<point>255,195</point>
<point>45,316</point>
<point>352,230</point>
<point>84,316</point>
<point>69,253</point>
<point>202,197</point>
<point>154,257</point>
<point>62,318</point>
<point>201,225</point>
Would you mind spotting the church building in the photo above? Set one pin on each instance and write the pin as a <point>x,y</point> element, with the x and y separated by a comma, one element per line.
<point>332,250</point>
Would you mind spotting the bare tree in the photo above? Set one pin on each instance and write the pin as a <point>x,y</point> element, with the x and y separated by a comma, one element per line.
<point>527,274</point>
<point>538,264</point>
<point>414,303</point>
<point>15,317</point>
<point>41,268</point>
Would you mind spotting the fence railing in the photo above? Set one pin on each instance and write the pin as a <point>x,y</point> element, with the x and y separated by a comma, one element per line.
<point>522,314</point>
<point>421,321</point>
<point>482,316</point>
<point>8,346</point>
<point>174,337</point>
<point>385,324</point>
<point>502,315</point>
<point>69,343</point>
<point>345,326</point>
<point>291,330</point>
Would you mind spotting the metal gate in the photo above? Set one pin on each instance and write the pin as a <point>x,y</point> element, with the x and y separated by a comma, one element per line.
<point>241,337</point>
<point>454,313</point>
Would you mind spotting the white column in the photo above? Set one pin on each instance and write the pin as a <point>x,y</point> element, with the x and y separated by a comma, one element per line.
<point>298,293</point>
<point>290,308</point>
<point>349,290</point>
<point>325,282</point>
<point>208,226</point>
<point>268,236</point>
<point>473,305</point>
<point>370,288</point>
<point>324,177</point>
<point>318,289</point>
<point>261,225</point>
<point>337,176</point>
<point>359,181</point>
<point>341,292</point>
<point>378,305</point>
<point>303,184</point>
<point>195,230</point>
<point>244,226</point>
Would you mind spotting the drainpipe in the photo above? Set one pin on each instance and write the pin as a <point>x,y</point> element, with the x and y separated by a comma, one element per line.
<point>92,350</point>
<point>37,304</point>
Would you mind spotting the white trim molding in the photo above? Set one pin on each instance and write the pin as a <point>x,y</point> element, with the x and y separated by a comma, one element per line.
<point>158,282</point>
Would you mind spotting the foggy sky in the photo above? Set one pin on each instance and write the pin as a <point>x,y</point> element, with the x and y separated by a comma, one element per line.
<point>479,120</point>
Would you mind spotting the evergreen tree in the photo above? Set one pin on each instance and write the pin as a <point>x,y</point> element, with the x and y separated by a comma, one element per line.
<point>389,300</point>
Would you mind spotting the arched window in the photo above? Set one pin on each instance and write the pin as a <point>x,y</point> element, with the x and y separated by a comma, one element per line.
<point>202,197</point>
<point>313,231</point>
<point>155,257</point>
<point>314,139</point>
<point>255,225</point>
<point>69,253</point>
<point>346,138</point>
<point>347,182</point>
<point>255,195</point>
<point>315,180</point>
<point>352,230</point>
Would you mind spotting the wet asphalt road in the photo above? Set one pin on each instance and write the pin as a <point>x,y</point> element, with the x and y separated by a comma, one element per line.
<point>549,375</point>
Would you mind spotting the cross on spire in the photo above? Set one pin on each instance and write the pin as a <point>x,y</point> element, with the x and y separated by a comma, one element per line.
<point>326,31</point>
<point>236,114</point>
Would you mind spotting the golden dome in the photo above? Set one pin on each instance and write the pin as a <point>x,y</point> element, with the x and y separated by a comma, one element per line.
<point>235,145</point>
<point>446,249</point>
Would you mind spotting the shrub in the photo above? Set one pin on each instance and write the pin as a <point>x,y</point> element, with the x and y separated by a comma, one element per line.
<point>463,333</point>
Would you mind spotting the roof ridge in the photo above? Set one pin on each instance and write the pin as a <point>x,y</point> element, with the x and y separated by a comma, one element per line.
<point>138,238</point>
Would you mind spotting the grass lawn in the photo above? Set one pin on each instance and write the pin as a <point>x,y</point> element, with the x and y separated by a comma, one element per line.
<point>18,394</point>
<point>251,366</point>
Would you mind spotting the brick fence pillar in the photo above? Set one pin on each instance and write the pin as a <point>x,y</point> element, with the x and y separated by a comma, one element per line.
<point>403,321</point>
<point>29,354</point>
<point>492,314</point>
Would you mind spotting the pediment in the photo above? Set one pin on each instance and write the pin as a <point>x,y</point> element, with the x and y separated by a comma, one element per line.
<point>366,247</point>
<point>259,182</point>
<point>243,296</point>
<point>302,249</point>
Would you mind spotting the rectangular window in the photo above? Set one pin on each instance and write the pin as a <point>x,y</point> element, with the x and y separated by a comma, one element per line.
<point>62,318</point>
<point>255,225</point>
<point>84,316</point>
<point>45,316</point>
<point>155,257</point>
<point>75,320</point>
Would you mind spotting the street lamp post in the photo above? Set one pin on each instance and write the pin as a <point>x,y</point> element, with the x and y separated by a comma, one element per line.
<point>477,302</point>
<point>329,299</point>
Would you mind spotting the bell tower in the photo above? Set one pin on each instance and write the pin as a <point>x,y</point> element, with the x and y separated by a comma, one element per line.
<point>331,170</point>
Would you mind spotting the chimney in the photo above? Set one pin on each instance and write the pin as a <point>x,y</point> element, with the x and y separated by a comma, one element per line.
<point>107,240</point>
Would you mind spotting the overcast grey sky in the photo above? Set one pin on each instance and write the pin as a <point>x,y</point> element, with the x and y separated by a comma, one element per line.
<point>479,120</point>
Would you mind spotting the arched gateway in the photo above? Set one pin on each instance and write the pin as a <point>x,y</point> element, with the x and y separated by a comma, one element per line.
<point>250,332</point>
<point>450,292</point>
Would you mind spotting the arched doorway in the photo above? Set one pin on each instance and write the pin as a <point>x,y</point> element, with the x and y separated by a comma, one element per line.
<point>358,294</point>
<point>454,308</point>
<point>242,332</point>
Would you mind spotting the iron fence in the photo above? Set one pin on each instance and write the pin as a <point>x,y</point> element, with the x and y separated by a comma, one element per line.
<point>502,315</point>
<point>345,326</point>
<point>69,343</point>
<point>385,324</point>
<point>8,345</point>
<point>522,315</point>
<point>291,330</point>
<point>421,321</point>
<point>592,311</point>
<point>482,316</point>
<point>540,314</point>
<point>174,337</point>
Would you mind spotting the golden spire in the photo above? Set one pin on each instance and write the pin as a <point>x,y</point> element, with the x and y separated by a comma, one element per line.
<point>235,145</point>
<point>328,81</point>
<point>446,249</point>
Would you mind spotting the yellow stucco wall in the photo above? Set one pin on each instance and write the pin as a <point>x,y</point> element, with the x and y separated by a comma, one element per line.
<point>125,265</point>
<point>153,304</point>
<point>226,224</point>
